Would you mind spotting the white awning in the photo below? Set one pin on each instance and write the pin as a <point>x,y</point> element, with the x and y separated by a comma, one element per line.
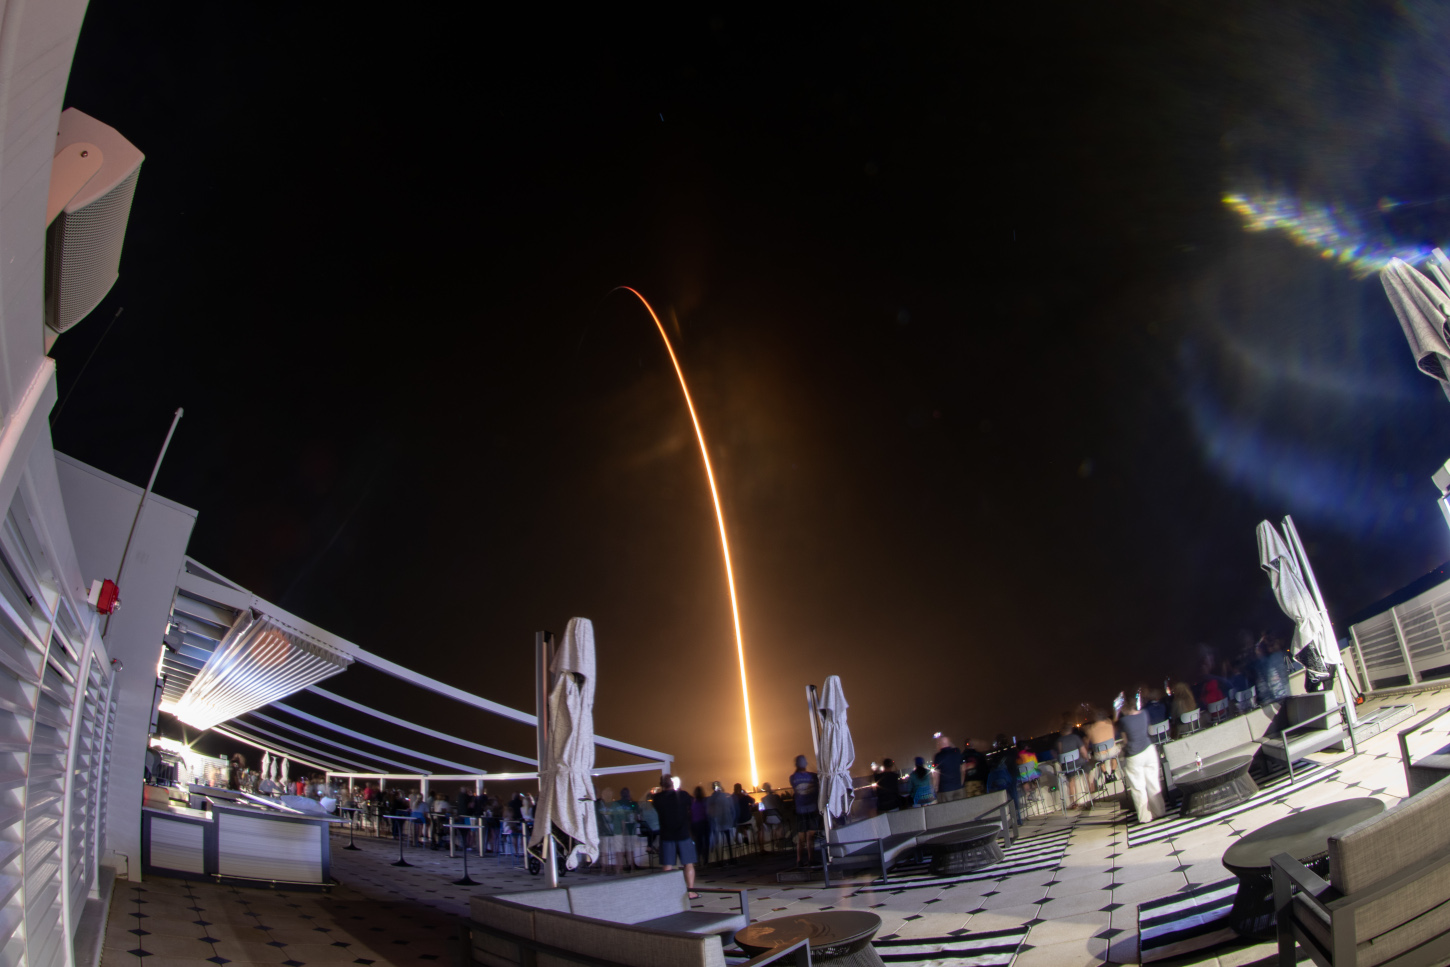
<point>263,655</point>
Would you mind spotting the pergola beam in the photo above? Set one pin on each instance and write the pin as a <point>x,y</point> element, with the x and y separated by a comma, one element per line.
<point>421,729</point>
<point>276,750</point>
<point>302,745</point>
<point>468,698</point>
<point>306,717</point>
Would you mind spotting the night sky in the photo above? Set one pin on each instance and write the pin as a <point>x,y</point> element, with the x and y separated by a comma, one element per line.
<point>996,384</point>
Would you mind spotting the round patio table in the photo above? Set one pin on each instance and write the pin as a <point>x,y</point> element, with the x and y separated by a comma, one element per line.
<point>964,850</point>
<point>841,937</point>
<point>1305,836</point>
<point>1216,786</point>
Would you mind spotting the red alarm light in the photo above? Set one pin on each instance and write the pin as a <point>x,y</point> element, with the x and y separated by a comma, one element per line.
<point>105,596</point>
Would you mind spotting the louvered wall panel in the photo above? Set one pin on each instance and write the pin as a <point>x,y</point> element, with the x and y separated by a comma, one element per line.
<point>53,689</point>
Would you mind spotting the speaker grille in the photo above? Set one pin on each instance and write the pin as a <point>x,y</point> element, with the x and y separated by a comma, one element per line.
<point>84,256</point>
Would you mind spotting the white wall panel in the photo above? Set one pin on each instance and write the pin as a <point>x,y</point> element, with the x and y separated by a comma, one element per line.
<point>100,508</point>
<point>177,845</point>
<point>268,849</point>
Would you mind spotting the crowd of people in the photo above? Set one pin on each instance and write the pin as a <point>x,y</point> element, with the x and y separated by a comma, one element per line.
<point>1092,750</point>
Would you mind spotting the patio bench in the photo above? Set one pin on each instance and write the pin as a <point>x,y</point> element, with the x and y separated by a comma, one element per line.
<point>1387,900</point>
<point>883,839</point>
<point>1235,737</point>
<point>642,921</point>
<point>1424,772</point>
<point>1312,728</point>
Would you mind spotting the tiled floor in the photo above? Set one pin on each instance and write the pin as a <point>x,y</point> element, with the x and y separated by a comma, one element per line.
<point>378,914</point>
<point>1083,912</point>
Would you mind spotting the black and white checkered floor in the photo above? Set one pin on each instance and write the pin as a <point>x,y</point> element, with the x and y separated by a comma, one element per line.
<point>1069,893</point>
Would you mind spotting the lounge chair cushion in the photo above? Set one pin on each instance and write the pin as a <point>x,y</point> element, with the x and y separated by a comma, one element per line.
<point>624,944</point>
<point>906,821</point>
<point>863,831</point>
<point>631,899</point>
<point>699,921</point>
<point>949,813</point>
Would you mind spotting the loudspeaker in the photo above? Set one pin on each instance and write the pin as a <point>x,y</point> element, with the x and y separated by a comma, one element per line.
<point>83,243</point>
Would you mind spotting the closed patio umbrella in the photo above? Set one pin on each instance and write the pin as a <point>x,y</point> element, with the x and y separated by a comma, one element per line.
<point>1423,307</point>
<point>1287,577</point>
<point>837,753</point>
<point>566,790</point>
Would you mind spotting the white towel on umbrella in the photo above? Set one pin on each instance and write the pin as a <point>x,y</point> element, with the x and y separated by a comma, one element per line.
<point>1310,627</point>
<point>566,789</point>
<point>1423,308</point>
<point>837,753</point>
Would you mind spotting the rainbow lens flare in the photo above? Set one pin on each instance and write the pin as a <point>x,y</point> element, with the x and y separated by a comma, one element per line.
<point>1338,233</point>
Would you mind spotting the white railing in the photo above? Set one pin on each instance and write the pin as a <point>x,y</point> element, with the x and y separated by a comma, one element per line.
<point>1408,640</point>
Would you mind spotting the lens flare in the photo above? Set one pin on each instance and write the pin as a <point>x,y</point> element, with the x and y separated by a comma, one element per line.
<point>1338,233</point>
<point>720,519</point>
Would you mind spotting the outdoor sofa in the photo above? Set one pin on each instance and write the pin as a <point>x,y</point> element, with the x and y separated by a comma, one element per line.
<point>633,921</point>
<point>881,840</point>
<point>1314,722</point>
<point>1286,730</point>
<point>1387,901</point>
<point>1233,737</point>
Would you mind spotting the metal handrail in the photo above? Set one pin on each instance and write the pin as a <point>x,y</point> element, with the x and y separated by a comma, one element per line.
<point>1340,710</point>
<point>1405,745</point>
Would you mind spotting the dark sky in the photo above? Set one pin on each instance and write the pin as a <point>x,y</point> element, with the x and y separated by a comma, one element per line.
<point>996,384</point>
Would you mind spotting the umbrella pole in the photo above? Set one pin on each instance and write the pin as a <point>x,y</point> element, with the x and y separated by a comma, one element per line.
<point>814,708</point>
<point>1340,692</point>
<point>541,733</point>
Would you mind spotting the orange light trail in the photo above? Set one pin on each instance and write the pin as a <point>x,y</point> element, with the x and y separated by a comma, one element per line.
<point>720,519</point>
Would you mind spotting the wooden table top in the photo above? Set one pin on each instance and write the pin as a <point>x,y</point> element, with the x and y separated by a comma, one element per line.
<point>1304,835</point>
<point>830,928</point>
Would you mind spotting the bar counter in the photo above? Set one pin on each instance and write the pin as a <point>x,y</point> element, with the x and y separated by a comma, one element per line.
<point>236,842</point>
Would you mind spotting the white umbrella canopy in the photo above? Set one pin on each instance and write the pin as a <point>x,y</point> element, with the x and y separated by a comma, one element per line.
<point>1311,629</point>
<point>837,752</point>
<point>1423,308</point>
<point>564,775</point>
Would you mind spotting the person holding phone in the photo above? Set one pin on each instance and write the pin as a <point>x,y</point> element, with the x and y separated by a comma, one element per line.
<point>1145,784</point>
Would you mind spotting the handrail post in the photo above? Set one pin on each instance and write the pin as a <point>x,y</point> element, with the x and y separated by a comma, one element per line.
<point>542,659</point>
<point>1366,685</point>
<point>1404,646</point>
<point>1404,737</point>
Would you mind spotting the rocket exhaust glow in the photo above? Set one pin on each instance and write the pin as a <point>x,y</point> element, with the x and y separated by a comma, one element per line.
<point>720,519</point>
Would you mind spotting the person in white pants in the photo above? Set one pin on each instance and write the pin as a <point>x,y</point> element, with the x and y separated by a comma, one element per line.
<point>1145,781</point>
